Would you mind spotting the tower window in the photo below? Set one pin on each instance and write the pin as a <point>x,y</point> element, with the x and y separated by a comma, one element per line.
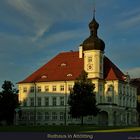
<point>90,59</point>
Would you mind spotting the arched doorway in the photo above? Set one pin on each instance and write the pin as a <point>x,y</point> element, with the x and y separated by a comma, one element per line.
<point>103,118</point>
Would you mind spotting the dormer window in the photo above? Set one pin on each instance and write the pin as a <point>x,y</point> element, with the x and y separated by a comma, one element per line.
<point>69,75</point>
<point>63,64</point>
<point>43,76</point>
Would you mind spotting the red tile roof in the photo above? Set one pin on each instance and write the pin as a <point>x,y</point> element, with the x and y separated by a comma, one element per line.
<point>68,66</point>
<point>111,71</point>
<point>65,66</point>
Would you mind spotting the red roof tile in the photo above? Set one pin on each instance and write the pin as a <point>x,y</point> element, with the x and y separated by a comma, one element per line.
<point>65,66</point>
<point>68,66</point>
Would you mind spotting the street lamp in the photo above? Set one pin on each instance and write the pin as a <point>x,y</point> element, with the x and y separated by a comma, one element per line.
<point>34,104</point>
<point>65,103</point>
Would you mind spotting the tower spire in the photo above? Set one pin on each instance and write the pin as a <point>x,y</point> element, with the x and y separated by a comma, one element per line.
<point>94,12</point>
<point>93,42</point>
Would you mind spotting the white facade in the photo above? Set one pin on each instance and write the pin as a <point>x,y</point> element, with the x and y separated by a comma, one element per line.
<point>93,63</point>
<point>45,102</point>
<point>116,100</point>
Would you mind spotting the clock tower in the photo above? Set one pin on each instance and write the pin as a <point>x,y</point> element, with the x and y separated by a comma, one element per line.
<point>93,52</point>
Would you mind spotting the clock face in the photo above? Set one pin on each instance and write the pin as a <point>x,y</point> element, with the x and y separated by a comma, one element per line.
<point>89,67</point>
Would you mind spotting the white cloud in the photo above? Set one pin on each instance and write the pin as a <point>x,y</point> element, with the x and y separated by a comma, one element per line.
<point>134,72</point>
<point>63,36</point>
<point>40,24</point>
<point>42,14</point>
<point>130,18</point>
<point>130,22</point>
<point>132,12</point>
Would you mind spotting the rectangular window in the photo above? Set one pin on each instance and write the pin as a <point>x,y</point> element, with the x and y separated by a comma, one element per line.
<point>69,117</point>
<point>31,101</point>
<point>25,116</point>
<point>24,89</point>
<point>54,101</point>
<point>61,115</point>
<point>62,88</point>
<point>46,88</point>
<point>31,115</point>
<point>109,99</point>
<point>32,89</point>
<point>124,90</point>
<point>100,88</point>
<point>62,101</point>
<point>124,101</point>
<point>89,59</point>
<point>39,101</point>
<point>53,88</point>
<point>47,116</point>
<point>101,99</point>
<point>54,116</point>
<point>46,101</point>
<point>39,116</point>
<point>90,118</point>
<point>39,88</point>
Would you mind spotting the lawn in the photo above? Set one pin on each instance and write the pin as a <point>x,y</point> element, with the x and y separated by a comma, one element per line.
<point>73,128</point>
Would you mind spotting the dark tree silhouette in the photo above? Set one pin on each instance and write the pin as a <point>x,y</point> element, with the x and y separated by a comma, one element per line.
<point>82,100</point>
<point>8,102</point>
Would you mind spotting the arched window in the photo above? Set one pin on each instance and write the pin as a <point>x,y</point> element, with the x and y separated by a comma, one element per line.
<point>110,93</point>
<point>63,64</point>
<point>110,88</point>
<point>43,76</point>
<point>69,75</point>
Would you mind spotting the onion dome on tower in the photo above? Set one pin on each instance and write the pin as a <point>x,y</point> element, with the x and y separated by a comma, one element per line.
<point>93,42</point>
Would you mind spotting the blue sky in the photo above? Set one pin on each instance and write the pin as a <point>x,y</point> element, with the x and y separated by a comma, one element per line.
<point>34,31</point>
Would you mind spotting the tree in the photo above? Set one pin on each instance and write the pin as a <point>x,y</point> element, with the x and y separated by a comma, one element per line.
<point>8,102</point>
<point>82,100</point>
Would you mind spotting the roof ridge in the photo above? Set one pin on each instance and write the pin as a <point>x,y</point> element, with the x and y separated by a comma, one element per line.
<point>68,52</point>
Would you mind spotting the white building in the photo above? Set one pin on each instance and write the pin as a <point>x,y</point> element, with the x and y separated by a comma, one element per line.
<point>43,95</point>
